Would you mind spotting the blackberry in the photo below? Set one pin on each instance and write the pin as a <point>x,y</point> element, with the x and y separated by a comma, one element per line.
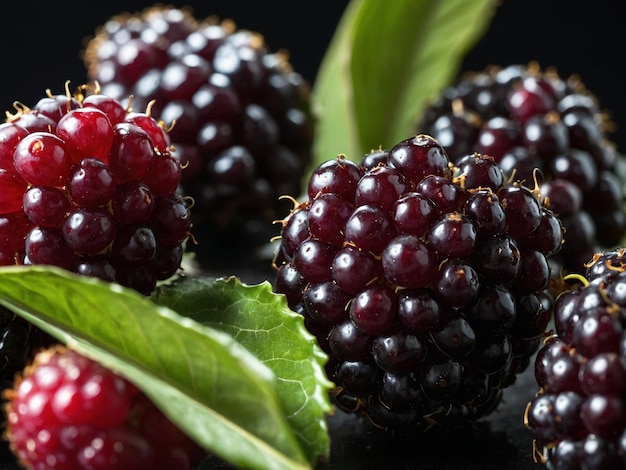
<point>425,282</point>
<point>242,127</point>
<point>91,187</point>
<point>531,119</point>
<point>67,411</point>
<point>578,417</point>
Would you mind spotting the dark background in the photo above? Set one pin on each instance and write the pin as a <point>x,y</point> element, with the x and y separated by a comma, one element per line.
<point>40,44</point>
<point>41,40</point>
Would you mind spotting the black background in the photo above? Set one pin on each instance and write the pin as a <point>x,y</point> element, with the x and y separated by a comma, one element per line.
<point>40,44</point>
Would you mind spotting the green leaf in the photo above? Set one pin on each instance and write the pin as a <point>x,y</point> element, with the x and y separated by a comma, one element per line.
<point>206,382</point>
<point>385,62</point>
<point>262,322</point>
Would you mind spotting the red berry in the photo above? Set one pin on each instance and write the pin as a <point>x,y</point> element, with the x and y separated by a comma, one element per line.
<point>10,135</point>
<point>67,411</point>
<point>13,229</point>
<point>91,183</point>
<point>81,195</point>
<point>132,152</point>
<point>46,206</point>
<point>13,188</point>
<point>159,136</point>
<point>87,133</point>
<point>110,106</point>
<point>42,159</point>
<point>163,176</point>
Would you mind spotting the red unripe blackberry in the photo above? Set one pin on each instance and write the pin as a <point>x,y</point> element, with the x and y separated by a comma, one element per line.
<point>422,280</point>
<point>530,119</point>
<point>67,411</point>
<point>578,417</point>
<point>237,114</point>
<point>94,193</point>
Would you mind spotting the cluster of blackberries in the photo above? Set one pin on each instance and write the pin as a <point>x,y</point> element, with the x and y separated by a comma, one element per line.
<point>578,418</point>
<point>425,282</point>
<point>100,180</point>
<point>528,119</point>
<point>241,121</point>
<point>425,271</point>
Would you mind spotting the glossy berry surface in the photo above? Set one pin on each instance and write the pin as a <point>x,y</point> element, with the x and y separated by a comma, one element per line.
<point>546,129</point>
<point>578,418</point>
<point>237,114</point>
<point>95,193</point>
<point>422,280</point>
<point>67,411</point>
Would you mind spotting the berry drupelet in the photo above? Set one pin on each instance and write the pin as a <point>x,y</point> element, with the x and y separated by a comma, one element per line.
<point>578,417</point>
<point>424,281</point>
<point>528,118</point>
<point>89,186</point>
<point>242,127</point>
<point>68,412</point>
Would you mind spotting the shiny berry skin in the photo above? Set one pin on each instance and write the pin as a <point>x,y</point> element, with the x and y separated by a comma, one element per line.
<point>412,272</point>
<point>237,114</point>
<point>81,189</point>
<point>91,183</point>
<point>548,133</point>
<point>131,152</point>
<point>408,262</point>
<point>67,411</point>
<point>580,407</point>
<point>42,159</point>
<point>87,133</point>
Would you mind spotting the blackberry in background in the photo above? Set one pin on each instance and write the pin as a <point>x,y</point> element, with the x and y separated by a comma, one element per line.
<point>425,282</point>
<point>239,115</point>
<point>527,118</point>
<point>578,418</point>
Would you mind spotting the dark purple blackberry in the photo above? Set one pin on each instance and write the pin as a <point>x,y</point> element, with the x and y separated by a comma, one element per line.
<point>239,117</point>
<point>578,418</point>
<point>424,281</point>
<point>529,119</point>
